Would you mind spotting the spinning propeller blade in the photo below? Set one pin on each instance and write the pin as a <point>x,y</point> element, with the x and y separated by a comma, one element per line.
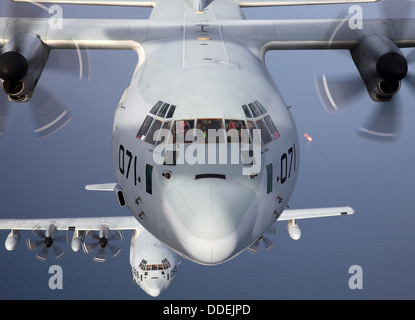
<point>267,243</point>
<point>101,242</point>
<point>46,242</point>
<point>339,94</point>
<point>50,113</point>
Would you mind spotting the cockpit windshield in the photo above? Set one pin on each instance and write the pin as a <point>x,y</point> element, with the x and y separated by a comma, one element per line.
<point>211,130</point>
<point>164,265</point>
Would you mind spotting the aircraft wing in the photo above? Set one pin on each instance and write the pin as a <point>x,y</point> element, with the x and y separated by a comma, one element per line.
<point>113,223</point>
<point>90,33</point>
<point>307,34</point>
<point>46,231</point>
<point>269,3</point>
<point>128,3</point>
<point>297,214</point>
<point>242,3</point>
<point>260,35</point>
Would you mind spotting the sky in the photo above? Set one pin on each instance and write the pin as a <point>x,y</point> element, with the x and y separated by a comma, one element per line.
<point>46,179</point>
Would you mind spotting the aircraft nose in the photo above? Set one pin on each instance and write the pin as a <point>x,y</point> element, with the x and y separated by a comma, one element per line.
<point>154,287</point>
<point>209,216</point>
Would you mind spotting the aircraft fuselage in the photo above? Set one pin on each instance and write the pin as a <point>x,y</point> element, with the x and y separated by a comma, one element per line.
<point>209,203</point>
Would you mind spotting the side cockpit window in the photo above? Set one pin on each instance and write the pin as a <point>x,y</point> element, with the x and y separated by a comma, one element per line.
<point>152,133</point>
<point>260,107</point>
<point>271,127</point>
<point>156,107</point>
<point>160,117</point>
<point>144,128</point>
<point>248,113</point>
<point>265,135</point>
<point>257,118</point>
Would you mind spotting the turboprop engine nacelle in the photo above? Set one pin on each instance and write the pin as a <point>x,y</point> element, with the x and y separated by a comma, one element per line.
<point>381,65</point>
<point>77,240</point>
<point>12,240</point>
<point>294,230</point>
<point>22,61</point>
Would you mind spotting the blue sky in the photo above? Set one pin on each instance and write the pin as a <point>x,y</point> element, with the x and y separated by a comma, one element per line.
<point>46,179</point>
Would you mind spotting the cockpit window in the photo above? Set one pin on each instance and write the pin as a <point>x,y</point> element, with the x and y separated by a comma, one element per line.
<point>153,130</point>
<point>247,111</point>
<point>180,128</point>
<point>156,107</point>
<point>163,110</point>
<point>233,130</point>
<point>251,127</point>
<point>262,121</point>
<point>260,107</point>
<point>144,128</point>
<point>210,126</point>
<point>254,110</point>
<point>271,127</point>
<point>164,265</point>
<point>265,135</point>
<point>171,111</point>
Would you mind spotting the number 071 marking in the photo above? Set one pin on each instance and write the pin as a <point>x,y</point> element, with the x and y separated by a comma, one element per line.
<point>288,164</point>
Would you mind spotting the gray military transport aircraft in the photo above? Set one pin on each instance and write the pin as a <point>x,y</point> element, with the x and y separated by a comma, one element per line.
<point>205,150</point>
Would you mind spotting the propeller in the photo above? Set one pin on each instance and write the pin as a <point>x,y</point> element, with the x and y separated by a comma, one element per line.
<point>100,244</point>
<point>50,113</point>
<point>44,242</point>
<point>267,243</point>
<point>340,93</point>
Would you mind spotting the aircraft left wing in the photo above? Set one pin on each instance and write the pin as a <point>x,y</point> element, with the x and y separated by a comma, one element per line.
<point>312,34</point>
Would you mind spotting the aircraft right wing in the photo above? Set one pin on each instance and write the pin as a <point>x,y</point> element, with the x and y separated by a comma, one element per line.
<point>100,230</point>
<point>90,33</point>
<point>291,215</point>
<point>296,214</point>
<point>271,3</point>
